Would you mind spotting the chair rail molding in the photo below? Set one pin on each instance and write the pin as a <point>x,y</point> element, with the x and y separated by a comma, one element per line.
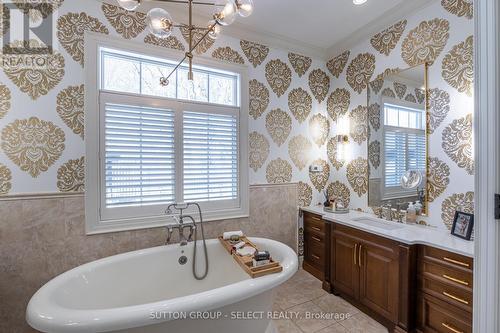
<point>487,159</point>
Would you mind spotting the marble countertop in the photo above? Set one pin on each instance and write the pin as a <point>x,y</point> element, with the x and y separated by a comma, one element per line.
<point>407,234</point>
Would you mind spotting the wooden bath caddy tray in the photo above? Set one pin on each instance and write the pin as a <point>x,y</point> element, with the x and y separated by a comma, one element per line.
<point>247,263</point>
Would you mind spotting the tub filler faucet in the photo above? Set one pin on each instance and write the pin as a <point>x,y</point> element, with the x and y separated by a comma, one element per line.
<point>180,225</point>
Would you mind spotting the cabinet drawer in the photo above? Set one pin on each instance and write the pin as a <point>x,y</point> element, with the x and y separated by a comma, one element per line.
<point>315,251</point>
<point>457,277</point>
<point>314,223</point>
<point>454,295</point>
<point>436,316</point>
<point>446,258</point>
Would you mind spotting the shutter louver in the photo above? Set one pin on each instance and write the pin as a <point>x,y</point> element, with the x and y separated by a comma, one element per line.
<point>139,162</point>
<point>210,156</point>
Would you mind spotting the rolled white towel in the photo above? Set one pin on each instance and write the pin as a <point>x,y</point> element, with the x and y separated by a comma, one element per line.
<point>228,234</point>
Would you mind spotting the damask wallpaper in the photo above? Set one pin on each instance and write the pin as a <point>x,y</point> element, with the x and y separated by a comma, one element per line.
<point>440,34</point>
<point>295,102</point>
<point>42,109</point>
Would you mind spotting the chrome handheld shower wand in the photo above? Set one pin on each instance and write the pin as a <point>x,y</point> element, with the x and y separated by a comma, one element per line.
<point>181,207</point>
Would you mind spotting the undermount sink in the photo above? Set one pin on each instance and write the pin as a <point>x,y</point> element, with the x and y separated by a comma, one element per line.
<point>377,223</point>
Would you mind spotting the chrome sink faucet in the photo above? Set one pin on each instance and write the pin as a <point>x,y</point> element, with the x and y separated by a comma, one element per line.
<point>386,211</point>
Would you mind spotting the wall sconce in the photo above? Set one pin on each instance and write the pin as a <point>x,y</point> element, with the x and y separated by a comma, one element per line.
<point>342,138</point>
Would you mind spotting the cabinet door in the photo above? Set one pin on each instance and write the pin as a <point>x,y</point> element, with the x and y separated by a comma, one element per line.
<point>344,270</point>
<point>379,277</point>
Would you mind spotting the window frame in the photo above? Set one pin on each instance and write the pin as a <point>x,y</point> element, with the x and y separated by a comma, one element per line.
<point>94,129</point>
<point>389,193</point>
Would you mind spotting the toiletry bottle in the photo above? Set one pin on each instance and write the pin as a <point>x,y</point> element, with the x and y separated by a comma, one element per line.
<point>418,207</point>
<point>411,214</point>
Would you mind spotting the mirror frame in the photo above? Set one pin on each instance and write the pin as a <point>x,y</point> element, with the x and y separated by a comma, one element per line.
<point>425,211</point>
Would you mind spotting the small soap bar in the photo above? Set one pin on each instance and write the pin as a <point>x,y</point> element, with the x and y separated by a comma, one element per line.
<point>261,255</point>
<point>258,263</point>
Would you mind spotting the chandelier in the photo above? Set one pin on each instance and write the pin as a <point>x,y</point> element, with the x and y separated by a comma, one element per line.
<point>161,25</point>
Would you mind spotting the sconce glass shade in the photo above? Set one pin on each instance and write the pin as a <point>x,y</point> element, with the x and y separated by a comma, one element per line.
<point>160,22</point>
<point>129,5</point>
<point>228,14</point>
<point>245,7</point>
<point>343,126</point>
<point>216,30</point>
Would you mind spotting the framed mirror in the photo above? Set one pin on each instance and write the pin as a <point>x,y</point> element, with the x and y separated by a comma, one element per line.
<point>398,138</point>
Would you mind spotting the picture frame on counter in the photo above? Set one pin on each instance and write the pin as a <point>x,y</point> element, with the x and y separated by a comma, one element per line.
<point>462,225</point>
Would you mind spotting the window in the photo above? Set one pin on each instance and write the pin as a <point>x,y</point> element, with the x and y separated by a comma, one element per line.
<point>151,145</point>
<point>404,144</point>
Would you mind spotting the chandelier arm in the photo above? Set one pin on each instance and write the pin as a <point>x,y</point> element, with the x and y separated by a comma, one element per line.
<point>194,2</point>
<point>175,68</point>
<point>203,37</point>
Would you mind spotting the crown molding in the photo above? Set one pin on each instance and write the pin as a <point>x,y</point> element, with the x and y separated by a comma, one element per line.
<point>377,25</point>
<point>241,30</point>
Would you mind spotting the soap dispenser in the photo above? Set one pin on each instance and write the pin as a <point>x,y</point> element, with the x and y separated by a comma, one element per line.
<point>411,214</point>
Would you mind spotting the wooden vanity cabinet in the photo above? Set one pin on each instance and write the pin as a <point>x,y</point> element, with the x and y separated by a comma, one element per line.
<point>444,303</point>
<point>373,273</point>
<point>315,245</point>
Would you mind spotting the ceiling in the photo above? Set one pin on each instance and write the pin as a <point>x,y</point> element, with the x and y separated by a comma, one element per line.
<point>321,28</point>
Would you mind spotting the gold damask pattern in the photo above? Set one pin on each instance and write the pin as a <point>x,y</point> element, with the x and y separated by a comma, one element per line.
<point>338,103</point>
<point>319,127</point>
<point>386,41</point>
<point>129,24</point>
<point>228,54</point>
<point>204,45</point>
<point>299,149</point>
<point>5,97</point>
<point>71,176</point>
<point>374,116</point>
<point>420,95</point>
<point>299,63</point>
<point>374,153</point>
<point>256,53</point>
<point>319,179</point>
<point>71,109</point>
<point>388,92</point>
<point>171,42</point>
<point>378,83</point>
<point>463,202</point>
<point>278,125</point>
<point>259,150</point>
<point>279,171</point>
<point>459,7</point>
<point>411,98</point>
<point>279,76</point>
<point>259,98</point>
<point>457,143</point>
<point>458,68</point>
<point>33,144</point>
<point>42,74</point>
<point>336,65</point>
<point>305,194</point>
<point>319,83</point>
<point>439,106</point>
<point>360,71</point>
<point>36,9</point>
<point>331,151</point>
<point>357,175</point>
<point>300,104</point>
<point>340,191</point>
<point>71,29</point>
<point>5,179</point>
<point>438,178</point>
<point>400,89</point>
<point>359,124</point>
<point>425,42</point>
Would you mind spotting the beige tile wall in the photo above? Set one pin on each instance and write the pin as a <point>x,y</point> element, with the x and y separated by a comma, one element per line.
<point>41,238</point>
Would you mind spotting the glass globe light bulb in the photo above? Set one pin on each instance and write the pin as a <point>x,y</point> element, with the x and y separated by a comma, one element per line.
<point>228,14</point>
<point>245,7</point>
<point>160,22</point>
<point>215,31</point>
<point>129,5</point>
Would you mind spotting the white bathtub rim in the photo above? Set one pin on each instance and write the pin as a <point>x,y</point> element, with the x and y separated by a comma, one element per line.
<point>102,320</point>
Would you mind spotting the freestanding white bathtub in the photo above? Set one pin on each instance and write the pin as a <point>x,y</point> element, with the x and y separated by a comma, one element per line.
<point>149,291</point>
